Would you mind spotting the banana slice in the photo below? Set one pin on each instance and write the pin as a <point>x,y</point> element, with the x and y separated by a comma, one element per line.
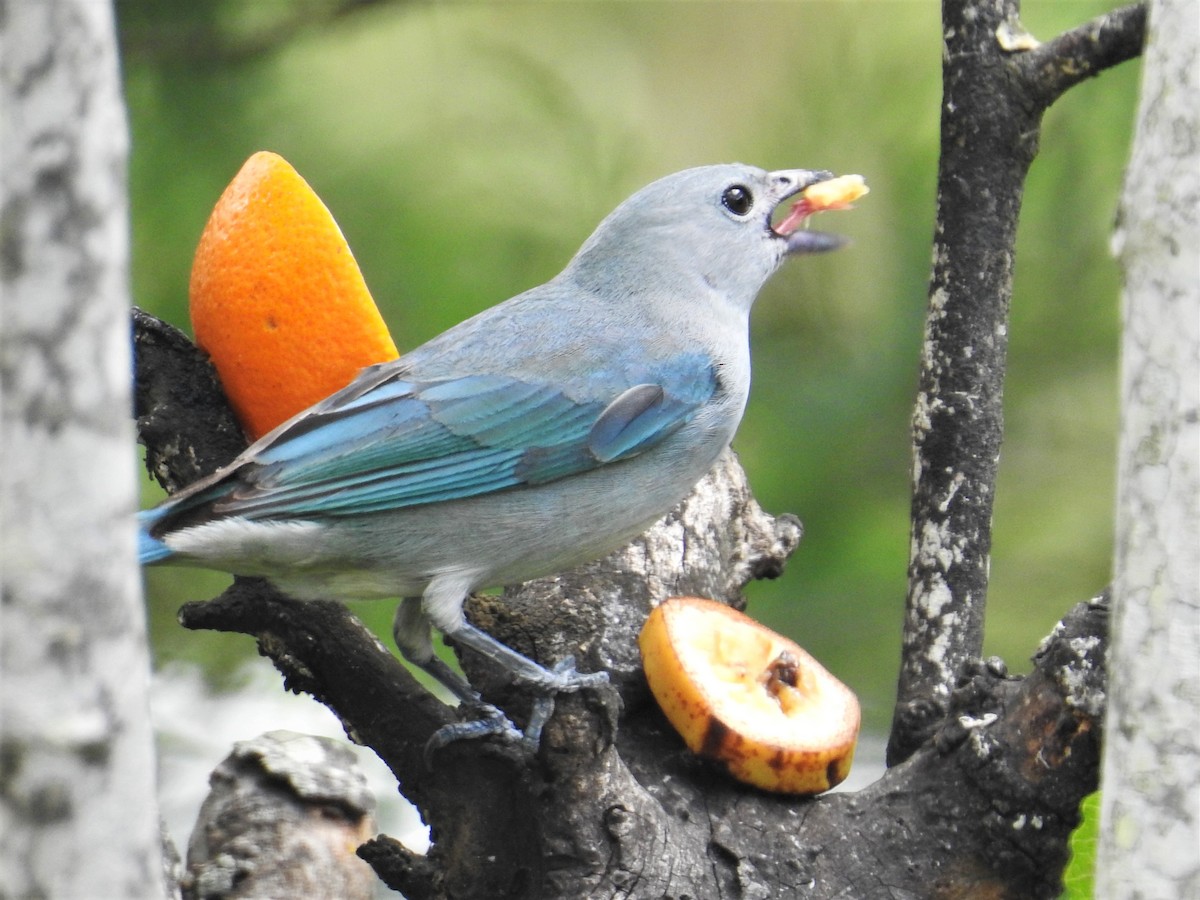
<point>836,193</point>
<point>746,697</point>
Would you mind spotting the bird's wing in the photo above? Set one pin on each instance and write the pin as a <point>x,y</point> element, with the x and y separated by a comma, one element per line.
<point>391,442</point>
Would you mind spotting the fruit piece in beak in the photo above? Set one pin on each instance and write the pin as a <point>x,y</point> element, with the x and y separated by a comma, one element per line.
<point>836,193</point>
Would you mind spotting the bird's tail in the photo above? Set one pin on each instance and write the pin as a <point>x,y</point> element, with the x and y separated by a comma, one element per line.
<point>151,549</point>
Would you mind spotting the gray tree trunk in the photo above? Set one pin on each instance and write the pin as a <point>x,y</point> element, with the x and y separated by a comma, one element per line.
<point>1151,780</point>
<point>78,816</point>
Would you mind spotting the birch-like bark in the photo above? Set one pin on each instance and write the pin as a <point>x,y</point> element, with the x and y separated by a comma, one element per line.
<point>78,816</point>
<point>1151,782</point>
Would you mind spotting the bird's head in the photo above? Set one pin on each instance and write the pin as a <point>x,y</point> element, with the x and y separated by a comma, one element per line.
<point>718,224</point>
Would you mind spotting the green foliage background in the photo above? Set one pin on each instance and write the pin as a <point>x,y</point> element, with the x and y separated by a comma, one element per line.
<point>467,149</point>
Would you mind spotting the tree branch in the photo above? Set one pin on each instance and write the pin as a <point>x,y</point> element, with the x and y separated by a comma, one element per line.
<point>183,418</point>
<point>282,817</point>
<point>1084,52</point>
<point>997,82</point>
<point>323,650</point>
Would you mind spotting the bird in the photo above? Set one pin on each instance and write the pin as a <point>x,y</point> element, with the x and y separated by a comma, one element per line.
<point>542,433</point>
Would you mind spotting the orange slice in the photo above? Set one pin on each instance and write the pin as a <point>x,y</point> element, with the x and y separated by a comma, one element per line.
<point>748,698</point>
<point>277,300</point>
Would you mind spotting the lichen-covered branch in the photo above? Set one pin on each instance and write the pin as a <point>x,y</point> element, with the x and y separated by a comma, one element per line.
<point>997,82</point>
<point>282,819</point>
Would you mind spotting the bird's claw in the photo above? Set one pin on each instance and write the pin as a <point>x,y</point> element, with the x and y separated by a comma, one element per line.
<point>562,678</point>
<point>490,722</point>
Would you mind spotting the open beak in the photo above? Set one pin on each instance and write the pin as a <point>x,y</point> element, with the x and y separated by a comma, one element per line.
<point>791,227</point>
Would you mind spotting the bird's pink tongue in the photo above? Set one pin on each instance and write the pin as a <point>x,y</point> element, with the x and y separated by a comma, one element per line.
<point>800,211</point>
<point>834,193</point>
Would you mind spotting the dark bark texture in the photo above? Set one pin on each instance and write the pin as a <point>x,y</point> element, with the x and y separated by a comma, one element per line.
<point>997,82</point>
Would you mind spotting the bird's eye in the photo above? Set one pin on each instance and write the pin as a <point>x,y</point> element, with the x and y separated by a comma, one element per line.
<point>737,199</point>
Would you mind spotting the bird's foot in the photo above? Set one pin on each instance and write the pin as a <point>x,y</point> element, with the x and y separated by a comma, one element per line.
<point>492,722</point>
<point>562,678</point>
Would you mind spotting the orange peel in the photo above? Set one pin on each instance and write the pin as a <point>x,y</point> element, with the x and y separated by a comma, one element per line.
<point>277,299</point>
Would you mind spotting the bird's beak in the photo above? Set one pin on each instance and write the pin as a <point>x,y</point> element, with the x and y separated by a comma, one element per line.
<point>789,183</point>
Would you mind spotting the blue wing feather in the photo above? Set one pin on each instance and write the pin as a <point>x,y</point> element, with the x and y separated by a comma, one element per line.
<point>398,443</point>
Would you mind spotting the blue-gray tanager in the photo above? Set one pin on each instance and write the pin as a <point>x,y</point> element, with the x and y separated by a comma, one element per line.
<point>542,433</point>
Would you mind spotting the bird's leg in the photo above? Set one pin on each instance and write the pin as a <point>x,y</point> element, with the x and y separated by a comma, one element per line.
<point>540,713</point>
<point>410,629</point>
<point>562,679</point>
<point>546,684</point>
<point>442,605</point>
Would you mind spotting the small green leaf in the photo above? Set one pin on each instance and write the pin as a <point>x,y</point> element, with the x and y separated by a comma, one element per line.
<point>1080,873</point>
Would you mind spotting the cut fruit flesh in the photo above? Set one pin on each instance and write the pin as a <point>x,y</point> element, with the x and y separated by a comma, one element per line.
<point>749,698</point>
